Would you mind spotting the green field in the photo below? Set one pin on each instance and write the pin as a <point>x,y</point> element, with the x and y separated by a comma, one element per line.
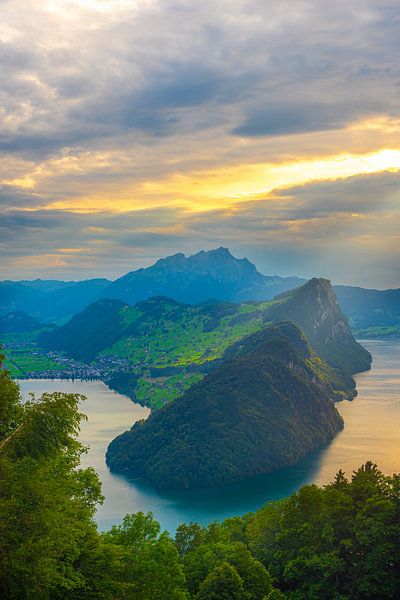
<point>158,391</point>
<point>21,359</point>
<point>21,363</point>
<point>170,342</point>
<point>383,331</point>
<point>191,339</point>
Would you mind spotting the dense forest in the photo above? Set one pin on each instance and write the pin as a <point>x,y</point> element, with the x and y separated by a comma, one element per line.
<point>337,542</point>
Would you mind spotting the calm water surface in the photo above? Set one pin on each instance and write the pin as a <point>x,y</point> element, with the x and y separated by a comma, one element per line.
<point>372,432</point>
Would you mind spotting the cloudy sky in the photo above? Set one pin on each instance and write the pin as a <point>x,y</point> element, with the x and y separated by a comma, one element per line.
<point>134,129</point>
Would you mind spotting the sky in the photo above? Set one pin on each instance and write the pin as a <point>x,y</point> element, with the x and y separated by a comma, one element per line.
<point>135,129</point>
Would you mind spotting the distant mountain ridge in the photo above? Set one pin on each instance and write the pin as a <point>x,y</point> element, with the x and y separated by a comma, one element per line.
<point>213,274</point>
<point>372,313</point>
<point>49,300</point>
<point>19,322</point>
<point>207,275</point>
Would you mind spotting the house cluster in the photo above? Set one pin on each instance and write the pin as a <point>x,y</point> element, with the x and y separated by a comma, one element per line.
<point>68,368</point>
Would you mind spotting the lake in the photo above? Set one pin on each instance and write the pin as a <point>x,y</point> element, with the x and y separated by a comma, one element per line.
<point>371,432</point>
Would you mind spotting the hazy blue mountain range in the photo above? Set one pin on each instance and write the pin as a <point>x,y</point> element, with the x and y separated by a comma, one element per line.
<point>46,285</point>
<point>49,300</point>
<point>264,409</point>
<point>214,274</point>
<point>371,313</point>
<point>19,322</point>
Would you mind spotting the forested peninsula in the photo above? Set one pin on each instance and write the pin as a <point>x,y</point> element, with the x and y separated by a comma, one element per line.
<point>262,410</point>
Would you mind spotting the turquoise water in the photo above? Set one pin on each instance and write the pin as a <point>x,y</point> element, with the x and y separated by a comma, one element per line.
<point>372,432</point>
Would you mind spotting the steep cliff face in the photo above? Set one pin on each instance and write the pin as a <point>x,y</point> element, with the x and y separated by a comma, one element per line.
<point>314,308</point>
<point>264,409</point>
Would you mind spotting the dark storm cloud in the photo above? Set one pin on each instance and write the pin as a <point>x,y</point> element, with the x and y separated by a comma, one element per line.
<point>43,231</point>
<point>181,85</point>
<point>17,222</point>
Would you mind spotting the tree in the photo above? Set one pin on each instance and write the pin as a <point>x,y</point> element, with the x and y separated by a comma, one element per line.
<point>336,542</point>
<point>223,583</point>
<point>49,544</point>
<point>10,405</point>
<point>47,502</point>
<point>148,563</point>
<point>206,557</point>
<point>157,572</point>
<point>188,537</point>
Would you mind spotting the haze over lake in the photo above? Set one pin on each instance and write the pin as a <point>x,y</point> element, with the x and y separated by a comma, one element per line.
<point>372,423</point>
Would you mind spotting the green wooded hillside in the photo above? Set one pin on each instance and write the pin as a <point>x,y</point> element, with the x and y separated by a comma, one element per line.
<point>262,410</point>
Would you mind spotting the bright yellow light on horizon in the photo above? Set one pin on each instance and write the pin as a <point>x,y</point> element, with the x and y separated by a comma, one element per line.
<point>337,167</point>
<point>247,182</point>
<point>224,187</point>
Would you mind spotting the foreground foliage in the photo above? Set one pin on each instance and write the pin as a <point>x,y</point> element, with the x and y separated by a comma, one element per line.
<point>338,542</point>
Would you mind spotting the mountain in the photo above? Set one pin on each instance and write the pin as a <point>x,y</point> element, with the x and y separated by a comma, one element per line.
<point>16,296</point>
<point>167,342</point>
<point>372,313</point>
<point>315,309</point>
<point>214,274</point>
<point>65,302</point>
<point>97,327</point>
<point>45,285</point>
<point>49,300</point>
<point>19,322</point>
<point>263,410</point>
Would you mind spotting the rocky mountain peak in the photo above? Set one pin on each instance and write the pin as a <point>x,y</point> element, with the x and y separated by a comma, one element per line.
<point>315,309</point>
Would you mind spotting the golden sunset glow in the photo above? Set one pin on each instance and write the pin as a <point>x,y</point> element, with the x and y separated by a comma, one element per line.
<point>208,190</point>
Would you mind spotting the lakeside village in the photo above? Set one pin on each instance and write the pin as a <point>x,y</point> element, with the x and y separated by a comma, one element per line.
<point>62,367</point>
